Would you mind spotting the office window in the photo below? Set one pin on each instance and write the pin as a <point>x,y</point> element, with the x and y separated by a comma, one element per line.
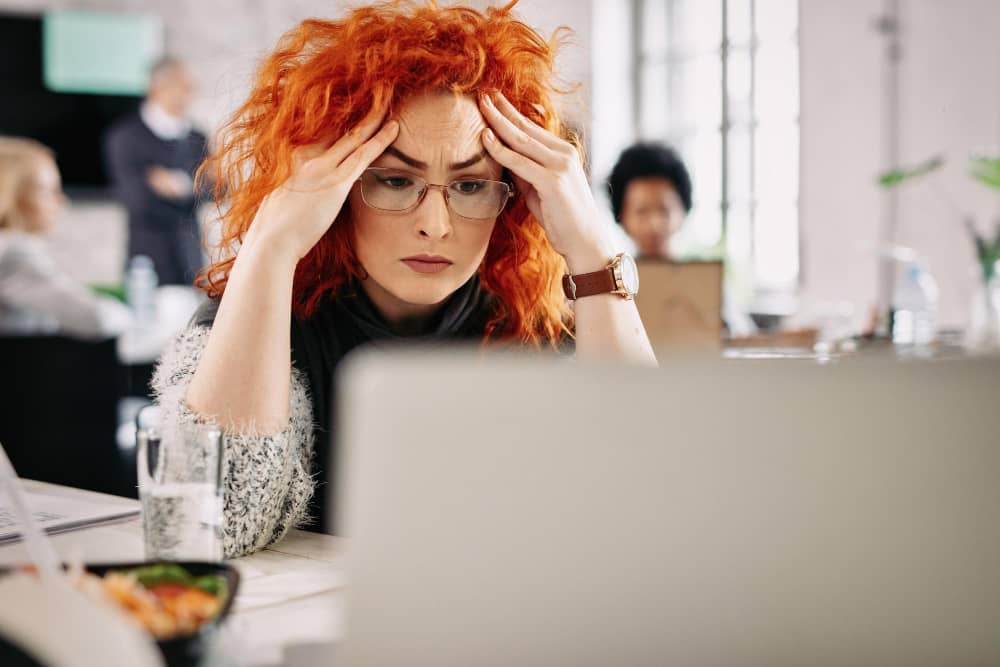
<point>718,79</point>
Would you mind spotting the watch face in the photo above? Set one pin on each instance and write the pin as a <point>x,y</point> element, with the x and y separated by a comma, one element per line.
<point>630,274</point>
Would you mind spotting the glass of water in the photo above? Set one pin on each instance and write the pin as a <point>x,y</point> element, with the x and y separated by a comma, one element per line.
<point>180,485</point>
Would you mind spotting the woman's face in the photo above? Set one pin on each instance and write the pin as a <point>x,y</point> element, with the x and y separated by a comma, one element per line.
<point>41,201</point>
<point>652,212</point>
<point>416,259</point>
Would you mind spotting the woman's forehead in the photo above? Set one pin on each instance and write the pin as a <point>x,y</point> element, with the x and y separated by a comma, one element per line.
<point>440,125</point>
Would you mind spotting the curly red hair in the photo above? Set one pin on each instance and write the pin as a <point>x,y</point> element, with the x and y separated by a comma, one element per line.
<point>324,78</point>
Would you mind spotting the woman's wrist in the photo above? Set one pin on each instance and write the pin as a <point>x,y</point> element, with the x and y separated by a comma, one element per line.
<point>589,256</point>
<point>271,239</point>
<point>258,249</point>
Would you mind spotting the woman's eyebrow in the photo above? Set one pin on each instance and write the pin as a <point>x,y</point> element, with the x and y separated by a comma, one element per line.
<point>413,162</point>
<point>417,164</point>
<point>467,163</point>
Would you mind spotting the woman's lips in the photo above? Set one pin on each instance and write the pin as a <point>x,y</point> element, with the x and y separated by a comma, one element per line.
<point>427,264</point>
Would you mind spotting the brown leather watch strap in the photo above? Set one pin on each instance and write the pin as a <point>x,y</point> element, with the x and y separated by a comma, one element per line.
<point>588,284</point>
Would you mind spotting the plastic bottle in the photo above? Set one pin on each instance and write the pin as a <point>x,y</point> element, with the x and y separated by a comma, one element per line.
<point>914,307</point>
<point>140,290</point>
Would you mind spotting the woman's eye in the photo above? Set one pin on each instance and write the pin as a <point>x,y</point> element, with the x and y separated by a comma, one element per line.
<point>468,187</point>
<point>395,182</point>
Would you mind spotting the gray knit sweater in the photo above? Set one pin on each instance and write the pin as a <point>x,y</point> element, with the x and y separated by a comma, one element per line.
<point>268,482</point>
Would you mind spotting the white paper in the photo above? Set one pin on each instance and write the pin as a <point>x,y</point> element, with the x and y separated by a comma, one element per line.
<point>56,514</point>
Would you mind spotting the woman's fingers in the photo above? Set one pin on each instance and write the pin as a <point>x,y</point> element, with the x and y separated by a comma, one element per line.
<point>354,138</point>
<point>529,127</point>
<point>517,138</point>
<point>359,160</point>
<point>522,166</point>
<point>304,154</point>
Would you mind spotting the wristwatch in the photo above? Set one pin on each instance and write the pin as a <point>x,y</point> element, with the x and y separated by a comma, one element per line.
<point>620,277</point>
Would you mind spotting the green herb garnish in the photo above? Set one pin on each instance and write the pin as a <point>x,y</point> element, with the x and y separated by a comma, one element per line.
<point>169,573</point>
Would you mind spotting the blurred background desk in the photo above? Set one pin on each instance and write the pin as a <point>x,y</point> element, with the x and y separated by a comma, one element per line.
<point>289,593</point>
<point>68,415</point>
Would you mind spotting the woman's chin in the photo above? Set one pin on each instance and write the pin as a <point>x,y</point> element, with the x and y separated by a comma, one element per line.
<point>419,289</point>
<point>431,293</point>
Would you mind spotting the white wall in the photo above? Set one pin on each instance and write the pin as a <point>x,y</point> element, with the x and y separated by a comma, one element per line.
<point>950,90</point>
<point>612,106</point>
<point>840,69</point>
<point>949,103</point>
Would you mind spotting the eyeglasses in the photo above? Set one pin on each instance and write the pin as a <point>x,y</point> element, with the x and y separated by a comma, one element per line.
<point>394,190</point>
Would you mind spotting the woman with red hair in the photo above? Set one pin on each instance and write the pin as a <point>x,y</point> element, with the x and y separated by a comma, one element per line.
<point>398,173</point>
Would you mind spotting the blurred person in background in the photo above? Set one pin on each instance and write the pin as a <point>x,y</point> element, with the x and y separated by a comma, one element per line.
<point>36,296</point>
<point>152,156</point>
<point>650,191</point>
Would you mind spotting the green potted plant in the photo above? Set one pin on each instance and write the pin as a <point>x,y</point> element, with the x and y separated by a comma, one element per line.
<point>984,317</point>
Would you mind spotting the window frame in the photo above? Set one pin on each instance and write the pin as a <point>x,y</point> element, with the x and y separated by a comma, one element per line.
<point>672,53</point>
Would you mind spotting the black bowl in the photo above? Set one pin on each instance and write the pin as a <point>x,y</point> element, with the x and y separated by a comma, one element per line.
<point>12,655</point>
<point>188,650</point>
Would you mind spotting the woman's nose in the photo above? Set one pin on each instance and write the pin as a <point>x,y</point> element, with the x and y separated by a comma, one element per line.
<point>433,216</point>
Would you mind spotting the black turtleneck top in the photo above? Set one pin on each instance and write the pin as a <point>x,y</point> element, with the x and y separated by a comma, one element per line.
<point>344,322</point>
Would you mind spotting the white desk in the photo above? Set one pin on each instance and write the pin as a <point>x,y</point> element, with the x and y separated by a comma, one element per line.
<point>290,593</point>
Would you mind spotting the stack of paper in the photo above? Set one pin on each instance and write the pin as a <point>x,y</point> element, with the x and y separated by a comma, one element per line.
<point>58,515</point>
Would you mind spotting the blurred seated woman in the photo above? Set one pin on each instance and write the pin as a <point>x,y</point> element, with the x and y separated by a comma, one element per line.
<point>425,191</point>
<point>36,296</point>
<point>650,191</point>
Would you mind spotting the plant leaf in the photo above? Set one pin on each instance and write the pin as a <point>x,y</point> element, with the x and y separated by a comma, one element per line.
<point>986,170</point>
<point>894,177</point>
<point>981,250</point>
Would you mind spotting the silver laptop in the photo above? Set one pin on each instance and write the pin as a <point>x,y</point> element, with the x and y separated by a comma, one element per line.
<point>530,512</point>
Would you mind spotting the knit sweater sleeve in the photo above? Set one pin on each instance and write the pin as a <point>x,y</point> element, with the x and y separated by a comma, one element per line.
<point>268,482</point>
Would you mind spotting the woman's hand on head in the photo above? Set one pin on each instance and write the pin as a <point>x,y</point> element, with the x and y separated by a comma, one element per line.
<point>549,175</point>
<point>294,217</point>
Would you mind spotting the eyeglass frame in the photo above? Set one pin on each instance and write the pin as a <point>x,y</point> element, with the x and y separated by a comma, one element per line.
<point>511,192</point>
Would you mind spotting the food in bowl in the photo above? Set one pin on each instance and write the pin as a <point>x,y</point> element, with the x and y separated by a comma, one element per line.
<point>164,598</point>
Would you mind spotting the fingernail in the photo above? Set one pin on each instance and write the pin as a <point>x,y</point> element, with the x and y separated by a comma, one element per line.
<point>489,135</point>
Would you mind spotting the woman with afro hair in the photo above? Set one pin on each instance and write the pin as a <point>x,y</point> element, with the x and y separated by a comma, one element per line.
<point>400,173</point>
